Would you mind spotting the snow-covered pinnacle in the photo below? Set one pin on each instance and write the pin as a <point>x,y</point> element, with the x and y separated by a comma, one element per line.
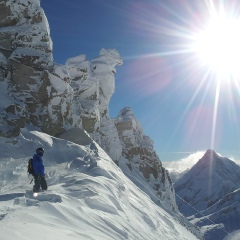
<point>140,158</point>
<point>52,97</point>
<point>78,68</point>
<point>128,125</point>
<point>126,114</point>
<point>104,70</point>
<point>209,159</point>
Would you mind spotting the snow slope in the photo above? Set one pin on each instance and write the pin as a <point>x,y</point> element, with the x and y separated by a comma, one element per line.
<point>222,219</point>
<point>88,198</point>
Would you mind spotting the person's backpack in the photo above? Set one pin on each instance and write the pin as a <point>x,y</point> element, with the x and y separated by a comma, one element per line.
<point>30,166</point>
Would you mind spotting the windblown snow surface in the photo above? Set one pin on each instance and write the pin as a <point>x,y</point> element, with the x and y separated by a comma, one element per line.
<point>88,197</point>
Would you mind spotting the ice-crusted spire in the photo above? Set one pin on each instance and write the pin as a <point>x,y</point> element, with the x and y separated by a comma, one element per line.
<point>128,120</point>
<point>104,69</point>
<point>126,114</point>
<point>139,156</point>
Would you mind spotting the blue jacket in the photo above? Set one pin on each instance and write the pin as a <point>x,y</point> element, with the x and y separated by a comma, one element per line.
<point>38,166</point>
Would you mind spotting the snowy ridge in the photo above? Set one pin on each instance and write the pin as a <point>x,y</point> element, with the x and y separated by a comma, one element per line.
<point>89,197</point>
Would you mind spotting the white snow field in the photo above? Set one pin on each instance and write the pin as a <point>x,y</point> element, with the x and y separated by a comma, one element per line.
<point>88,197</point>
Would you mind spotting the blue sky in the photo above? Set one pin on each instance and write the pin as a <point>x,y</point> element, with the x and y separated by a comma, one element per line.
<point>168,89</point>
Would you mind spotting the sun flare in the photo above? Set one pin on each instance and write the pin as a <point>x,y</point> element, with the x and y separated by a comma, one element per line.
<point>218,45</point>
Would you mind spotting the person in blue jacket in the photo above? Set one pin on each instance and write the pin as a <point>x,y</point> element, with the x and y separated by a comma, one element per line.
<point>38,167</point>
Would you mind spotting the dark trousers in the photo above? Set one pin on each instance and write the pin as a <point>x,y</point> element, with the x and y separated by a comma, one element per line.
<point>39,181</point>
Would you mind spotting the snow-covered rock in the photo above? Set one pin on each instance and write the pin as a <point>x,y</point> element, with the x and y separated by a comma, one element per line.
<point>209,194</point>
<point>24,33</point>
<point>25,64</point>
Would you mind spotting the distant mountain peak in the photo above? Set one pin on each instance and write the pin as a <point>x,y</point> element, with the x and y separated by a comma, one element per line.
<point>212,160</point>
<point>210,185</point>
<point>210,154</point>
<point>219,175</point>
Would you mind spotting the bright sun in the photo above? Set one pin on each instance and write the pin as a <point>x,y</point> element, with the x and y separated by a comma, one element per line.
<point>218,45</point>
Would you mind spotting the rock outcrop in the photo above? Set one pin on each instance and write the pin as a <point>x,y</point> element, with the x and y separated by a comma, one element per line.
<point>26,63</point>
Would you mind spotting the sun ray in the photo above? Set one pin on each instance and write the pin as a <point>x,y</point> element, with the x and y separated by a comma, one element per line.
<point>189,105</point>
<point>215,112</point>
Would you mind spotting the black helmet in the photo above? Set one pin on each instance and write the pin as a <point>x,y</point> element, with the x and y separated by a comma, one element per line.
<point>40,151</point>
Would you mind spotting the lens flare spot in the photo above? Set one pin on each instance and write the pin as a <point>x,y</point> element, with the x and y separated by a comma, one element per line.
<point>149,74</point>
